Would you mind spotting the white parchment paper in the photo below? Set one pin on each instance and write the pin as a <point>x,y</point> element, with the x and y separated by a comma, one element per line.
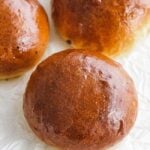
<point>14,131</point>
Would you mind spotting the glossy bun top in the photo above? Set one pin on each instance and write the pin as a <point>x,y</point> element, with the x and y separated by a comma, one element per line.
<point>80,100</point>
<point>24,34</point>
<point>111,26</point>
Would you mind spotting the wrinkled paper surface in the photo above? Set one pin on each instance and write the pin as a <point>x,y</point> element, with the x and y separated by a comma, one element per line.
<point>14,131</point>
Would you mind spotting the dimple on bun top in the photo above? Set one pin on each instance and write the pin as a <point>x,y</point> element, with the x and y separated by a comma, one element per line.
<point>111,26</point>
<point>24,35</point>
<point>80,100</point>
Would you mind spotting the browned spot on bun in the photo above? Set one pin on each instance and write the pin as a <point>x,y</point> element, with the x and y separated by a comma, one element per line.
<point>111,26</point>
<point>24,35</point>
<point>80,100</point>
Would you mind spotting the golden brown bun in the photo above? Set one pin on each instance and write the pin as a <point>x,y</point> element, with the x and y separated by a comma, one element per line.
<point>80,100</point>
<point>24,34</point>
<point>107,25</point>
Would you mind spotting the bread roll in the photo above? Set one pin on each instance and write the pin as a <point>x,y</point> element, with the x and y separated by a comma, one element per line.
<point>111,26</point>
<point>24,34</point>
<point>80,100</point>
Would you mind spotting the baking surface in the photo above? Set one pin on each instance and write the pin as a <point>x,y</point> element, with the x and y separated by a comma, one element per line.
<point>14,131</point>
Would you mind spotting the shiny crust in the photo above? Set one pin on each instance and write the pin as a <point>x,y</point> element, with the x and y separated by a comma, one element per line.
<point>24,35</point>
<point>111,26</point>
<point>80,100</point>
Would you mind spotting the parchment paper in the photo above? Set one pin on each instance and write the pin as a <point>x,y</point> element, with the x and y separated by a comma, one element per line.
<point>14,131</point>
